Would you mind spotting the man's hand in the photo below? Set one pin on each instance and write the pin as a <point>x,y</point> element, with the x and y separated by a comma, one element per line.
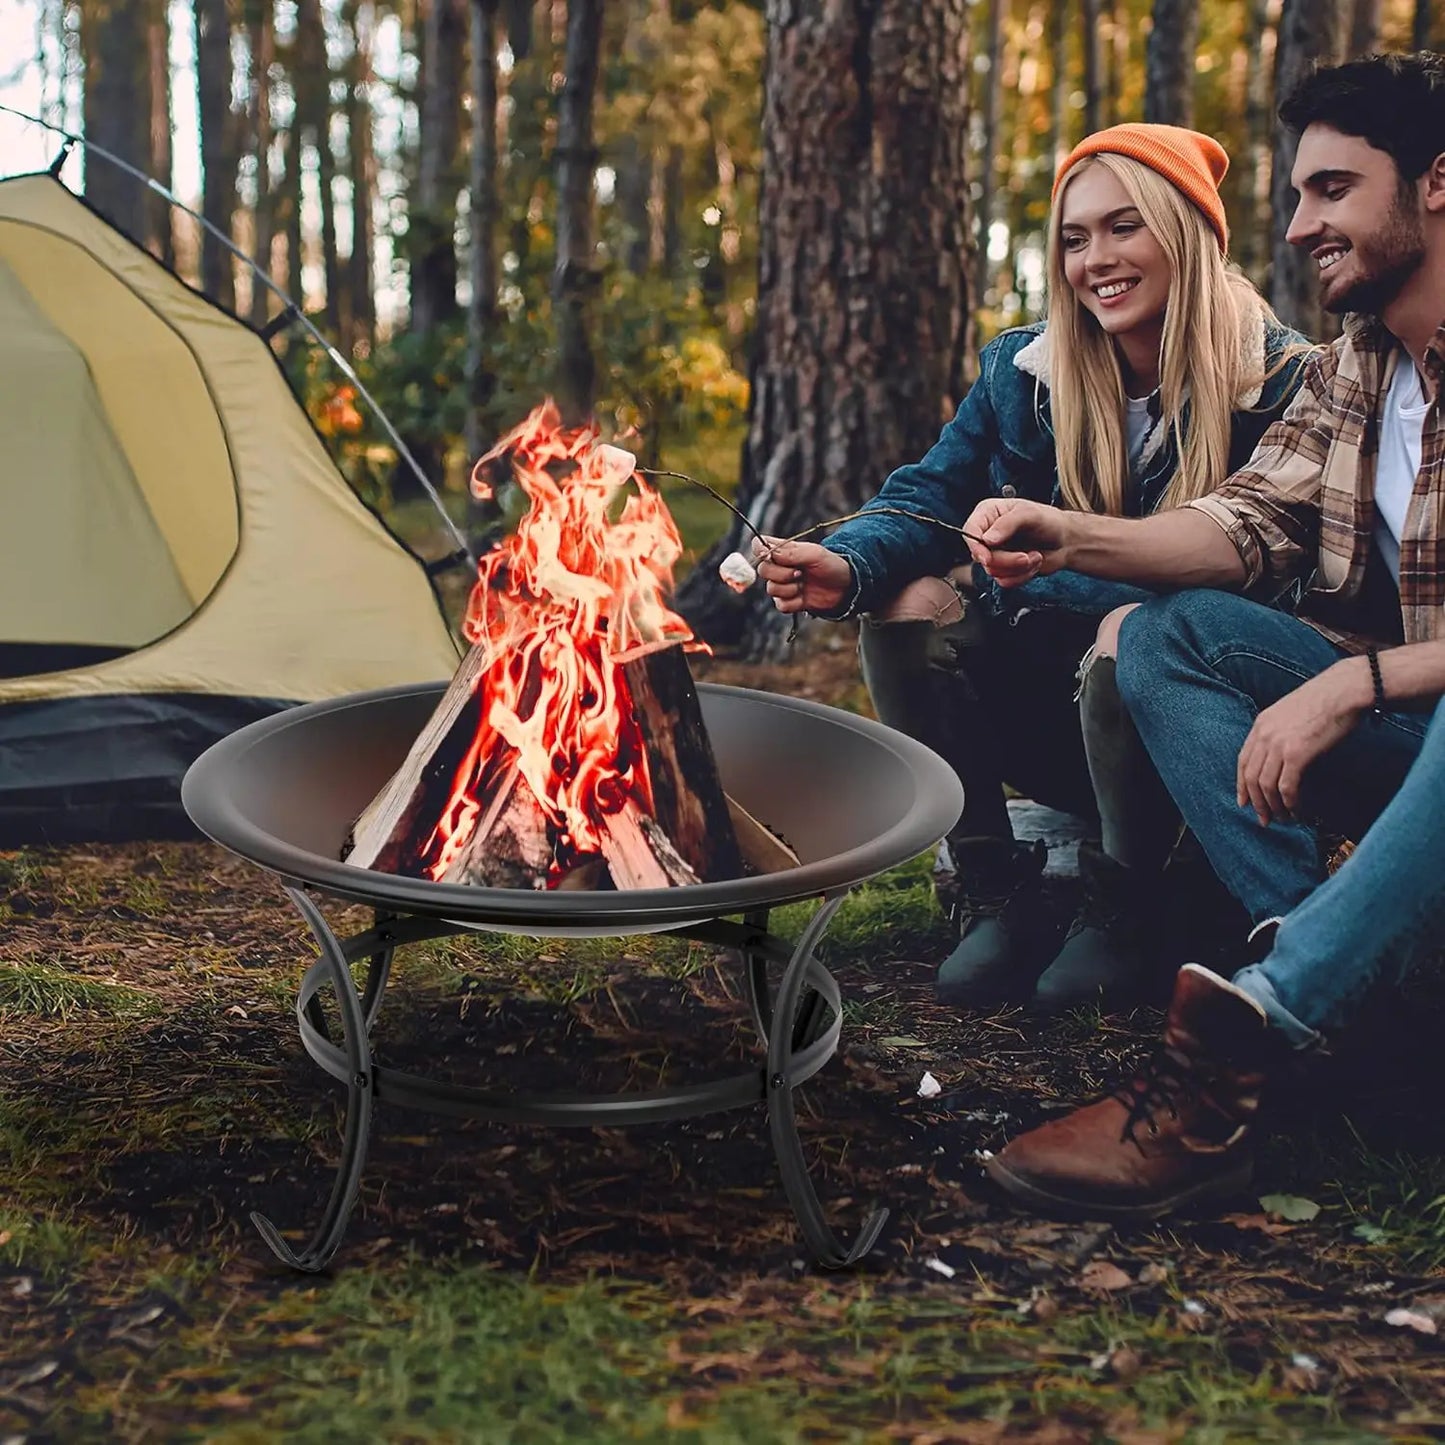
<point>1289,735</point>
<point>1019,539</point>
<point>802,576</point>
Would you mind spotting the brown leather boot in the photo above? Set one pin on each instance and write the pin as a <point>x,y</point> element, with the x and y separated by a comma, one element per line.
<point>1177,1134</point>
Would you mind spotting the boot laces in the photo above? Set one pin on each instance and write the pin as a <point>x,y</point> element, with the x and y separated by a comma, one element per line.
<point>1165,1078</point>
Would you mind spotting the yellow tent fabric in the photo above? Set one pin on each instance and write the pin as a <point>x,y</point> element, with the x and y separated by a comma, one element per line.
<point>163,490</point>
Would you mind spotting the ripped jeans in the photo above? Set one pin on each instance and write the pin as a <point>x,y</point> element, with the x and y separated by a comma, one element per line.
<point>995,686</point>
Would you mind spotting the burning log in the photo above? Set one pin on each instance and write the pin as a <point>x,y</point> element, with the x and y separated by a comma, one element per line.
<point>570,749</point>
<point>687,836</point>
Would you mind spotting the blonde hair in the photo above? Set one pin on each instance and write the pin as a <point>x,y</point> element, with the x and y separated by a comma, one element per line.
<point>1210,310</point>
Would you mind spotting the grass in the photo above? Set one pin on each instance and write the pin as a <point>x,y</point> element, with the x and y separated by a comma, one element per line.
<point>49,991</point>
<point>610,1285</point>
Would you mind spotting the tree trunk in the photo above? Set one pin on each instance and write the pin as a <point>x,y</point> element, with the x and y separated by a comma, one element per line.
<point>1169,63</point>
<point>1060,134</point>
<point>1420,29</point>
<point>313,126</point>
<point>1248,243</point>
<point>1310,32</point>
<point>160,237</point>
<point>1093,67</point>
<point>113,41</point>
<point>1365,20</point>
<point>574,276</point>
<point>482,212</point>
<point>432,214</point>
<point>261,23</point>
<point>993,108</point>
<point>864,236</point>
<point>218,163</point>
<point>361,167</point>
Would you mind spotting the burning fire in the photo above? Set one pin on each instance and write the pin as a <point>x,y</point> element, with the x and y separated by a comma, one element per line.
<point>560,606</point>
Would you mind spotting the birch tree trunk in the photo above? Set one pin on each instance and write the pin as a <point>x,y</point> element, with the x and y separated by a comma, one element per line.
<point>862,329</point>
<point>1310,32</point>
<point>218,163</point>
<point>574,276</point>
<point>1169,63</point>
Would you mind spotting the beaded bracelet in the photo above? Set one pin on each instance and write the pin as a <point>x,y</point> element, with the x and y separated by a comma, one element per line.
<point>1377,712</point>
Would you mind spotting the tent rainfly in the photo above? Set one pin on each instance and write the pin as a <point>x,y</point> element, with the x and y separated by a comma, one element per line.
<point>178,554</point>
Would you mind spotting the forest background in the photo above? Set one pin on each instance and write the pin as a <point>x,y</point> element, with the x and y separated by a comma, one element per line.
<point>761,240</point>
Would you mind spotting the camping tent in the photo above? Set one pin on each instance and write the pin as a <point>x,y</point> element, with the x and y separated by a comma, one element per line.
<point>178,554</point>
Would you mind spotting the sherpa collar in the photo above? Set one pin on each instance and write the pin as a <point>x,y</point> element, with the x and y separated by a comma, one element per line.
<point>1033,359</point>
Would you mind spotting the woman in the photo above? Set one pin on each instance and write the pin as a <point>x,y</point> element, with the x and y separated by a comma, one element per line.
<point>1156,374</point>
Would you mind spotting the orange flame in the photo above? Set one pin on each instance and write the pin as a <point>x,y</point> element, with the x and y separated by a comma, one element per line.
<point>559,607</point>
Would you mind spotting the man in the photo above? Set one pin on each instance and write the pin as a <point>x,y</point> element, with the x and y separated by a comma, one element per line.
<point>1260,722</point>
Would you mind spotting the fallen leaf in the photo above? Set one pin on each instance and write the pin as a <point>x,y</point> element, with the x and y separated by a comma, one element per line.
<point>1412,1320</point>
<point>903,1041</point>
<point>1289,1206</point>
<point>1100,1274</point>
<point>1262,1222</point>
<point>1154,1273</point>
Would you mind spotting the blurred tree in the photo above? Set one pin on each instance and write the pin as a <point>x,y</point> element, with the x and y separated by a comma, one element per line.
<point>160,236</point>
<point>260,20</point>
<point>1060,136</point>
<point>1366,18</point>
<point>214,75</point>
<point>1093,66</point>
<point>863,316</point>
<point>481,224</point>
<point>1420,30</point>
<point>1250,238</point>
<point>574,276</point>
<point>992,114</point>
<point>1311,32</point>
<point>432,208</point>
<point>1169,63</point>
<point>114,42</point>
<point>359,314</point>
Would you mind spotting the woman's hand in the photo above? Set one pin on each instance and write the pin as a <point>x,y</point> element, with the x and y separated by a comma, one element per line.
<point>802,576</point>
<point>1015,540</point>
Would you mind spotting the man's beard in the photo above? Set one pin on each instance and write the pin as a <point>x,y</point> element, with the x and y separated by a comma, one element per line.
<point>1387,261</point>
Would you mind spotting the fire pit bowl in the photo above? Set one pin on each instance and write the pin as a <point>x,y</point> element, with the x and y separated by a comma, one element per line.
<point>853,798</point>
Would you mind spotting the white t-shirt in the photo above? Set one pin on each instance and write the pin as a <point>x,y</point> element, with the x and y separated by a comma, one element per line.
<point>1401,429</point>
<point>1137,426</point>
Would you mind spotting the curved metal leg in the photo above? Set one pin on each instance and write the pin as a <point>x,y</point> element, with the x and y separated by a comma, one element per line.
<point>783,1045</point>
<point>756,960</point>
<point>360,1092</point>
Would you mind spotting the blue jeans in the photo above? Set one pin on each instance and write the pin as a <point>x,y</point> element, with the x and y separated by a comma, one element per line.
<point>1195,669</point>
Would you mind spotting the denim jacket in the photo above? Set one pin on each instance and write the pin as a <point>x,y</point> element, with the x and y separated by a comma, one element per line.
<point>1001,443</point>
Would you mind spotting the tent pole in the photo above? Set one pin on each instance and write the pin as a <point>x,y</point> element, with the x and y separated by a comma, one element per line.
<point>290,308</point>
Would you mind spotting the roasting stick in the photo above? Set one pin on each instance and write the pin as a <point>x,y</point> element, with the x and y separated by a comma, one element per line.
<point>739,575</point>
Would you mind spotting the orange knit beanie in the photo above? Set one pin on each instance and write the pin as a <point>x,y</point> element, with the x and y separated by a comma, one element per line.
<point>1192,163</point>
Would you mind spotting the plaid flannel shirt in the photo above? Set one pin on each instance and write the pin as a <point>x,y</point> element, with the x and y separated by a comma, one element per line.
<point>1302,509</point>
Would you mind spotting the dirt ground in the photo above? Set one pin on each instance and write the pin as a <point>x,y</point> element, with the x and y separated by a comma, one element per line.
<point>153,1092</point>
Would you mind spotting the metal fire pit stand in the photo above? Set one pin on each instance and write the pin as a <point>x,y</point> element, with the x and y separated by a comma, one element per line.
<point>806,994</point>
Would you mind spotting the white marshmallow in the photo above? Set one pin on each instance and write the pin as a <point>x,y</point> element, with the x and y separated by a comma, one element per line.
<point>737,572</point>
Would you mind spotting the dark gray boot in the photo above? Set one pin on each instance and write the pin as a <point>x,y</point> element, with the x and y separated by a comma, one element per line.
<point>1002,940</point>
<point>1111,954</point>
